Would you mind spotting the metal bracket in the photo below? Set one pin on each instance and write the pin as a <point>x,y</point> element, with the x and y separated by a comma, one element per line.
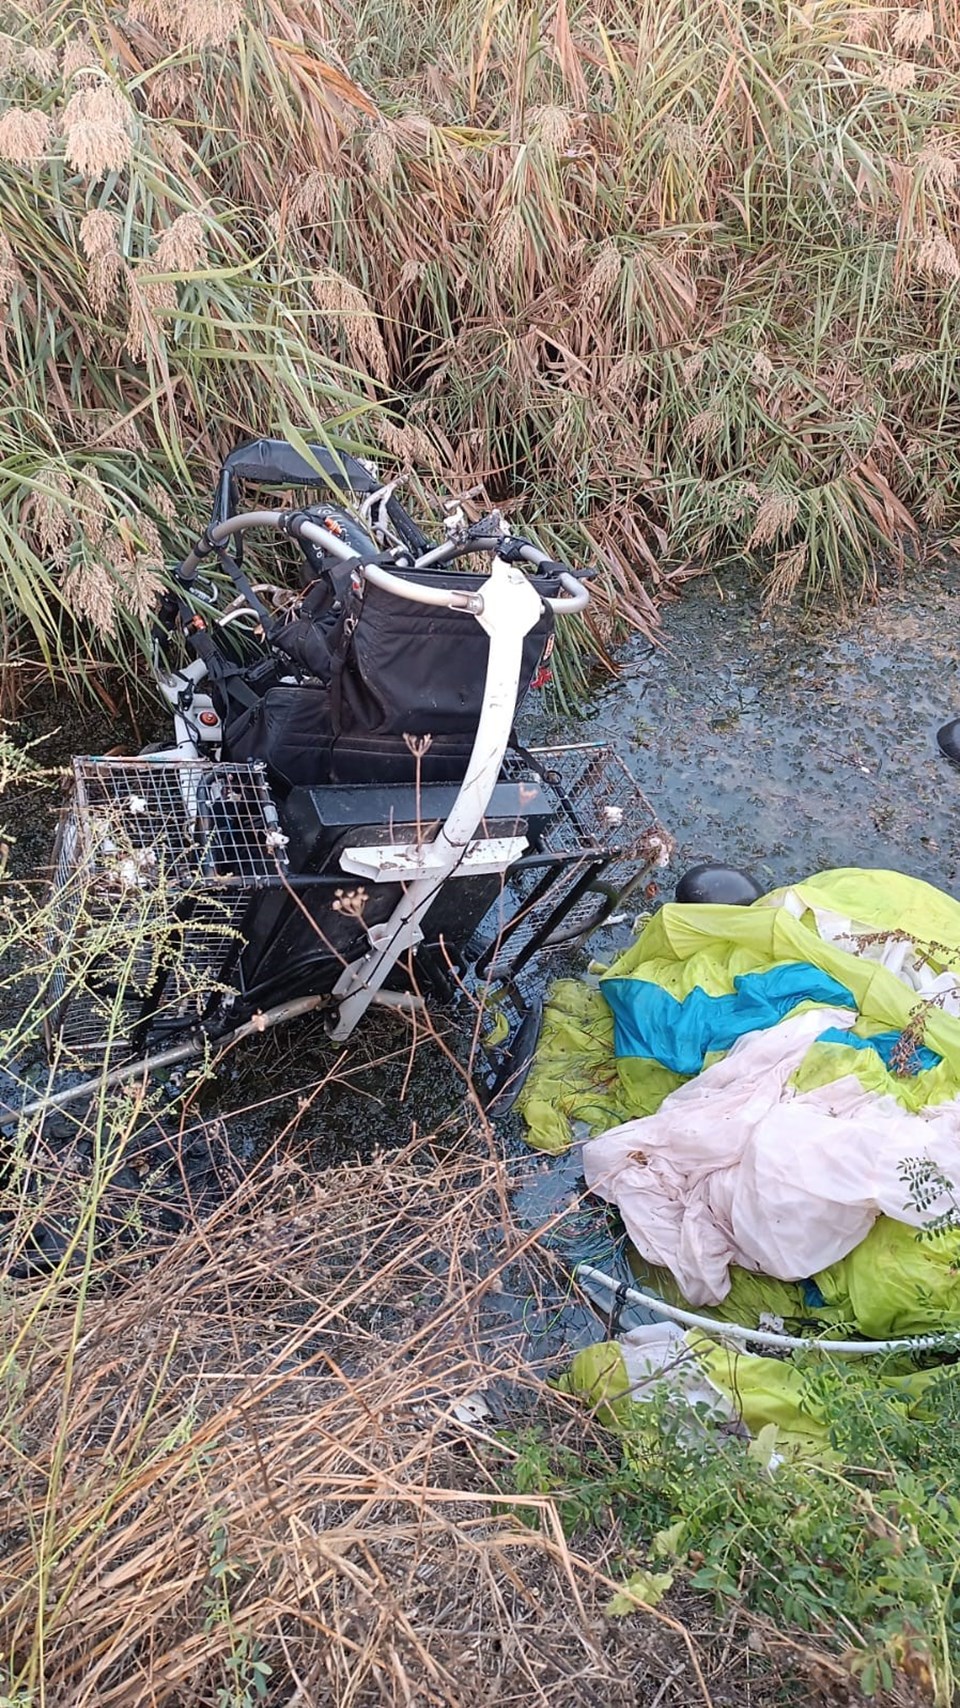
<point>379,936</point>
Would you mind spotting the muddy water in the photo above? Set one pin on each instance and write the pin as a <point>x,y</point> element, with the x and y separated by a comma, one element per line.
<point>785,748</point>
<point>790,750</point>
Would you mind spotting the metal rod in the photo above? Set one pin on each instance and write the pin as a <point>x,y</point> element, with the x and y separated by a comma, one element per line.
<point>167,1058</point>
<point>762,1336</point>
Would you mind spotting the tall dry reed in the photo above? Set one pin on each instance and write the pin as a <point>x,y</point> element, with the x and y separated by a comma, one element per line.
<point>678,277</point>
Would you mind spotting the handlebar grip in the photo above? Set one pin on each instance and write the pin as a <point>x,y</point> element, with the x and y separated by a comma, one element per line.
<point>579,597</point>
<point>446,597</point>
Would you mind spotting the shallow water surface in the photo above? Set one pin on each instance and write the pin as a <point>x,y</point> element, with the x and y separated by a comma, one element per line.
<point>791,751</point>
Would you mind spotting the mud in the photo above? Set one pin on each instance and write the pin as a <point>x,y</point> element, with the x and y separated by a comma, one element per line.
<point>792,750</point>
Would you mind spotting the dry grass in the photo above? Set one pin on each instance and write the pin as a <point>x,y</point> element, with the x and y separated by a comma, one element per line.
<point>654,272</point>
<point>232,1469</point>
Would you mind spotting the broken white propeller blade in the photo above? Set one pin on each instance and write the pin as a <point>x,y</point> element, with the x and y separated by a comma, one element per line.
<point>403,863</point>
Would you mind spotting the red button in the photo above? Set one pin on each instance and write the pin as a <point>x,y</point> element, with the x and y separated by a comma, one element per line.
<point>209,718</point>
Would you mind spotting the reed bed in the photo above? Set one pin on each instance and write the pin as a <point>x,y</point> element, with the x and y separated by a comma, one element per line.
<point>675,278</point>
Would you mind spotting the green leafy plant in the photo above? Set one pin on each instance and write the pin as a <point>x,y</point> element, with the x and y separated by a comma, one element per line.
<point>858,1548</point>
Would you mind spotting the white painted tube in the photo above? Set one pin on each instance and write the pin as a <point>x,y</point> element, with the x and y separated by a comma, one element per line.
<point>761,1336</point>
<point>511,607</point>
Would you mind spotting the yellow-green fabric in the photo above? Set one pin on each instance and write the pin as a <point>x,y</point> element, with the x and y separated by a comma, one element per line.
<point>885,900</point>
<point>896,1282</point>
<point>761,1391</point>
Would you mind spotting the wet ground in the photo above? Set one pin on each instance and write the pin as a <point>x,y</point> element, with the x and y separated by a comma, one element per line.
<point>793,749</point>
<point>776,745</point>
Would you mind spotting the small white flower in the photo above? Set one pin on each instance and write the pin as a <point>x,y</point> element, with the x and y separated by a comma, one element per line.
<point>137,804</point>
<point>658,849</point>
<point>613,815</point>
<point>136,870</point>
<point>276,839</point>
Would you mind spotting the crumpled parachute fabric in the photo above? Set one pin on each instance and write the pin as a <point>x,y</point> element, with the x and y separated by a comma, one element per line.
<point>775,1094</point>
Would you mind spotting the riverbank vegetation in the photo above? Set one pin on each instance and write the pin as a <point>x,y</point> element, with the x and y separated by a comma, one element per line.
<point>679,280</point>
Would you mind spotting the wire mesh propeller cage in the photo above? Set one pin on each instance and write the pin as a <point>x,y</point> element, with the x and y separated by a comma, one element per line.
<point>155,865</point>
<point>602,841</point>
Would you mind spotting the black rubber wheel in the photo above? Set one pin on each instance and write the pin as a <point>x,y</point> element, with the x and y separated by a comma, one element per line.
<point>948,740</point>
<point>725,886</point>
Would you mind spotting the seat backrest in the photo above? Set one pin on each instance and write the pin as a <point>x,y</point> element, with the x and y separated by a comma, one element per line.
<point>381,670</point>
<point>330,471</point>
<point>406,669</point>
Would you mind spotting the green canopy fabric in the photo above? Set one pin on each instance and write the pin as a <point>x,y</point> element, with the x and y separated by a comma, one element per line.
<point>853,925</point>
